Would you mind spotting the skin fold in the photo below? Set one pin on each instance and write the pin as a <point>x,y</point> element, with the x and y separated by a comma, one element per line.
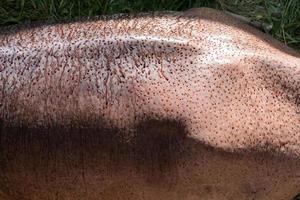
<point>168,105</point>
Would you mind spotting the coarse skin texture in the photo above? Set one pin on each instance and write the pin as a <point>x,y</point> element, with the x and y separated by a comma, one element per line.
<point>170,105</point>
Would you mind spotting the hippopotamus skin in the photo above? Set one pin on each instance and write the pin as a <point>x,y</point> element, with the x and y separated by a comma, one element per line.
<point>168,105</point>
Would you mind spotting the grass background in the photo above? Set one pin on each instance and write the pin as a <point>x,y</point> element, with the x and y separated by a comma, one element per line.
<point>280,18</point>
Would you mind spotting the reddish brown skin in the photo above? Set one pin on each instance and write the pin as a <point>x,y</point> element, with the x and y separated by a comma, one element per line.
<point>192,105</point>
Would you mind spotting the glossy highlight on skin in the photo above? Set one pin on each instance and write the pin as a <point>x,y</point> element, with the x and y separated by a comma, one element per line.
<point>196,102</point>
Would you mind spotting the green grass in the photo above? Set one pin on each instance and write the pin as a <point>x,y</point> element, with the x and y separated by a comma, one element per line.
<point>17,11</point>
<point>280,18</point>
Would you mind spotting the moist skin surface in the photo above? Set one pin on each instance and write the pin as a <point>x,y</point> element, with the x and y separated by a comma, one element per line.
<point>168,105</point>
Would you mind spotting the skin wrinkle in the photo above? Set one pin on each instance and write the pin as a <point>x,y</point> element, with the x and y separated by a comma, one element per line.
<point>232,92</point>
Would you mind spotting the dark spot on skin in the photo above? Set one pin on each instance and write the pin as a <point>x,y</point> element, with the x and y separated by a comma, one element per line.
<point>158,145</point>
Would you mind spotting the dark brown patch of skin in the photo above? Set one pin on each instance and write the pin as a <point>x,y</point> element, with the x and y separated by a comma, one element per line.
<point>191,105</point>
<point>160,162</point>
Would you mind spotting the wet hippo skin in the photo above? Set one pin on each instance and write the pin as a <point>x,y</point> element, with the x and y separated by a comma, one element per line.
<point>172,105</point>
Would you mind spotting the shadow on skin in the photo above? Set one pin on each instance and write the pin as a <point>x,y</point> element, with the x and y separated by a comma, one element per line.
<point>157,161</point>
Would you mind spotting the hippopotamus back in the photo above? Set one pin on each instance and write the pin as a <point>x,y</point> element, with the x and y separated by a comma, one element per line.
<point>200,85</point>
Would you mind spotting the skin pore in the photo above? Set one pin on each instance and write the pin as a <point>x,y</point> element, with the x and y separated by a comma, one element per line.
<point>170,105</point>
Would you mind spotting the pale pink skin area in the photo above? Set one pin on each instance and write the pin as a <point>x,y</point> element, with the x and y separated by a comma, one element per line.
<point>235,91</point>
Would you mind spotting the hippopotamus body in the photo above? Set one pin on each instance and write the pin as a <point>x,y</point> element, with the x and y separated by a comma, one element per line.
<point>168,105</point>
